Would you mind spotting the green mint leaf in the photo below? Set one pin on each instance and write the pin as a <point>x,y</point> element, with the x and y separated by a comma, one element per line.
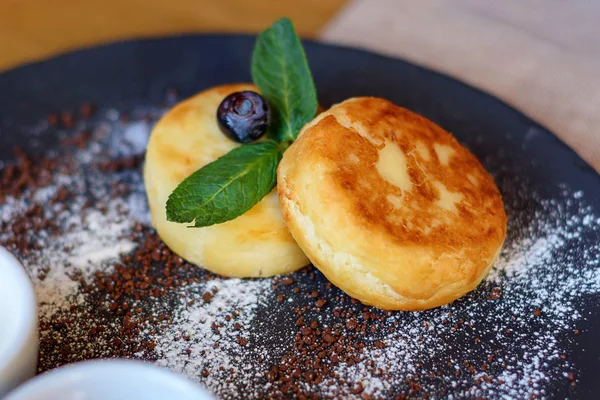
<point>227,187</point>
<point>281,73</point>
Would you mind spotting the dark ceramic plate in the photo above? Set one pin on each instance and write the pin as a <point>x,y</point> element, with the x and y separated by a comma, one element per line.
<point>530,330</point>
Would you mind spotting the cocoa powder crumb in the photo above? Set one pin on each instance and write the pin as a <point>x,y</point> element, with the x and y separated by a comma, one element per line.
<point>67,119</point>
<point>86,110</point>
<point>321,303</point>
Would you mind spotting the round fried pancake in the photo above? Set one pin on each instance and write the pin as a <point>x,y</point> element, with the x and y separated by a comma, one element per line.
<point>255,244</point>
<point>389,206</point>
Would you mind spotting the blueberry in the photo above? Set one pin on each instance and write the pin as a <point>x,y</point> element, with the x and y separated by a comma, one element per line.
<point>244,116</point>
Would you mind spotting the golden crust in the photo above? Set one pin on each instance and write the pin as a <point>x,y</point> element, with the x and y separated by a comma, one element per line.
<point>389,206</point>
<point>254,244</point>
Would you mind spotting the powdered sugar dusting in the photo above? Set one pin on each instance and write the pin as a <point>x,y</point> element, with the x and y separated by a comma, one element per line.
<point>197,353</point>
<point>90,239</point>
<point>541,268</point>
<point>91,242</point>
<point>510,338</point>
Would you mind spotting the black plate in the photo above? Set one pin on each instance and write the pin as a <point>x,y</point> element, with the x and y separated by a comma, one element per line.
<point>552,198</point>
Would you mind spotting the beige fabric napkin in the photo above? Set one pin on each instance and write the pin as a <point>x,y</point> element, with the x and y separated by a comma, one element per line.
<point>541,56</point>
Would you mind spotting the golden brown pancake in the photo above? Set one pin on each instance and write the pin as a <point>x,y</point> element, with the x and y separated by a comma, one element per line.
<point>254,244</point>
<point>389,206</point>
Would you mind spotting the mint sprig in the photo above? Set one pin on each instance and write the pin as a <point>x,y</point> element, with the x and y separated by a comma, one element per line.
<point>231,185</point>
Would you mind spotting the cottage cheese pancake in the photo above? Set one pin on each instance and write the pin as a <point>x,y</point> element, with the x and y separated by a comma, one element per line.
<point>389,206</point>
<point>254,244</point>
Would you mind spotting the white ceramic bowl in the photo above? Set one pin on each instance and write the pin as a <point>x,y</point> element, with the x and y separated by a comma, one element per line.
<point>110,380</point>
<point>18,324</point>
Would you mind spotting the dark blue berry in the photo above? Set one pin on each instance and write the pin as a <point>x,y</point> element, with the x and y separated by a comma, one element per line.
<point>244,116</point>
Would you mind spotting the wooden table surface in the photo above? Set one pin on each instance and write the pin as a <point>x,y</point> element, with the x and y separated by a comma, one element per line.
<point>35,29</point>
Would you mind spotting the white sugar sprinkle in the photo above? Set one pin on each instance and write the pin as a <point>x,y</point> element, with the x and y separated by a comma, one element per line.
<point>550,261</point>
